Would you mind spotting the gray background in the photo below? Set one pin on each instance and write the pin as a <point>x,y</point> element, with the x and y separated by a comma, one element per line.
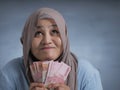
<point>93,26</point>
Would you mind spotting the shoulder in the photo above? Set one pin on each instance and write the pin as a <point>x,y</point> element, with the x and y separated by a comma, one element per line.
<point>88,76</point>
<point>10,73</point>
<point>86,67</point>
<point>13,66</point>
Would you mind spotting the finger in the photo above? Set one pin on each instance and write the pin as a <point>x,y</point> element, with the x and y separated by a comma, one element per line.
<point>55,85</point>
<point>38,88</point>
<point>37,84</point>
<point>33,85</point>
<point>49,86</point>
<point>58,85</point>
<point>61,86</point>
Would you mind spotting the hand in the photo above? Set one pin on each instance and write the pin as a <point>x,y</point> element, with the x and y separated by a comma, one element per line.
<point>37,86</point>
<point>59,86</point>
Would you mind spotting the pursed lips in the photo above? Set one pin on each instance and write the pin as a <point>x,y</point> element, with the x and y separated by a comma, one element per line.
<point>46,48</point>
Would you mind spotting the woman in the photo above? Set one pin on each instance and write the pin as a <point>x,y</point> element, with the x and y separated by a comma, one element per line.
<point>44,38</point>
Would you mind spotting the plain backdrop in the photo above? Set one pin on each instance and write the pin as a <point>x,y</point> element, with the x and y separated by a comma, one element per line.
<point>93,26</point>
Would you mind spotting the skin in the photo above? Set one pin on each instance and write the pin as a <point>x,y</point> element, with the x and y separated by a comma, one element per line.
<point>47,45</point>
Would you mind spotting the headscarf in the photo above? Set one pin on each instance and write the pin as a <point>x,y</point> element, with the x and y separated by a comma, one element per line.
<point>66,57</point>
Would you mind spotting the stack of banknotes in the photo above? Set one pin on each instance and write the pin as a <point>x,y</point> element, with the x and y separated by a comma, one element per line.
<point>49,72</point>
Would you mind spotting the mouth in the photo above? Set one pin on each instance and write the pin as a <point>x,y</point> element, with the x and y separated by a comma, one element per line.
<point>47,48</point>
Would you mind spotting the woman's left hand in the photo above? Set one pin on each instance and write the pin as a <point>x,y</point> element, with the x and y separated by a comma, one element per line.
<point>59,86</point>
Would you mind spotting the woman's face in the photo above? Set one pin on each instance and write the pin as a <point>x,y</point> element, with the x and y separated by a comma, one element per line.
<point>47,44</point>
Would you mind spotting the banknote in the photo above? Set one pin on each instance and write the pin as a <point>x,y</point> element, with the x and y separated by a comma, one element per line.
<point>57,72</point>
<point>39,71</point>
<point>49,72</point>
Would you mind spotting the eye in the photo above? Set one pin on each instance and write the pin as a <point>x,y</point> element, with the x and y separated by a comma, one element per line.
<point>38,34</point>
<point>55,32</point>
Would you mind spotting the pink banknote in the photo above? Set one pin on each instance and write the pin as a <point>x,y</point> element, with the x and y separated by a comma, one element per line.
<point>49,72</point>
<point>57,72</point>
<point>39,71</point>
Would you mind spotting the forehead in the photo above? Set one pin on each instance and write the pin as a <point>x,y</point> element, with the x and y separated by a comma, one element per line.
<point>45,21</point>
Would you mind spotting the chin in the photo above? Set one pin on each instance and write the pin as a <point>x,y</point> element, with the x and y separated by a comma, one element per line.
<point>49,58</point>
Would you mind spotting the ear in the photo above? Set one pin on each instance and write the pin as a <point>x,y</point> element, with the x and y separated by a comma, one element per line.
<point>21,40</point>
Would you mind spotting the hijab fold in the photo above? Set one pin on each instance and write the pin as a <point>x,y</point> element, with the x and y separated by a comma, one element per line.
<point>66,57</point>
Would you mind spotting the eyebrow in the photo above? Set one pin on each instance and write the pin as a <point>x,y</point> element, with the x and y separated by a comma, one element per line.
<point>53,25</point>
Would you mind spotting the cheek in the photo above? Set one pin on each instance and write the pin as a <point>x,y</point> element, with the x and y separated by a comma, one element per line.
<point>59,44</point>
<point>35,43</point>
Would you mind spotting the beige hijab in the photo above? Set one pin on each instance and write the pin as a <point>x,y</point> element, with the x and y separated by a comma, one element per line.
<point>67,56</point>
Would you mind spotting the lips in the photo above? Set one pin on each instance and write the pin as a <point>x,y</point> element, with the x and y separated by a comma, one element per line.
<point>47,48</point>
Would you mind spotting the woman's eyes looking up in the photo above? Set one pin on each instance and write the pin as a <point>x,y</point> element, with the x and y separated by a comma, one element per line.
<point>53,32</point>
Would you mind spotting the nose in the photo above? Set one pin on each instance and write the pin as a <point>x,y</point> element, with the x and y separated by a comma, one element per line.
<point>46,39</point>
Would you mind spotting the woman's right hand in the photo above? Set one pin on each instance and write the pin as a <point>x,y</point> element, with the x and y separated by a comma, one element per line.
<point>37,86</point>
